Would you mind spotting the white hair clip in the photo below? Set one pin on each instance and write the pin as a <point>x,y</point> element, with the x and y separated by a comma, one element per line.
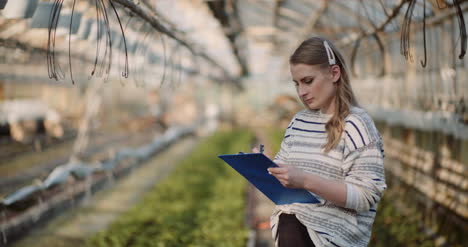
<point>330,54</point>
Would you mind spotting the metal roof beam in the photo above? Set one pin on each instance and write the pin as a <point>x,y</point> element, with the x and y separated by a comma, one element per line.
<point>156,24</point>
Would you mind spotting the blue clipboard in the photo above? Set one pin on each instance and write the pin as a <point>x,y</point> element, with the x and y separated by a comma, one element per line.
<point>253,166</point>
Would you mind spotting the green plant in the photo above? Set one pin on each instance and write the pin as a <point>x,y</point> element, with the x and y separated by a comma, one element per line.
<point>200,204</point>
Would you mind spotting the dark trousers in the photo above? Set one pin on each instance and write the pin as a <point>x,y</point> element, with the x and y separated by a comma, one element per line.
<point>292,233</point>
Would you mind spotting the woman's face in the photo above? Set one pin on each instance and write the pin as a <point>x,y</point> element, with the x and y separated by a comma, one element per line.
<point>315,85</point>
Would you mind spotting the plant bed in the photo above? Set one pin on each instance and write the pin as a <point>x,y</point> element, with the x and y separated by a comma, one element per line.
<point>202,203</point>
<point>18,219</point>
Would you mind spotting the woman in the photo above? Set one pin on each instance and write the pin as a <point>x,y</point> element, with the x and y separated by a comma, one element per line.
<point>332,149</point>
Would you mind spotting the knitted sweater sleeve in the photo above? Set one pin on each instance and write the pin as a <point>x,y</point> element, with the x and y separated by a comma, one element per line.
<point>363,164</point>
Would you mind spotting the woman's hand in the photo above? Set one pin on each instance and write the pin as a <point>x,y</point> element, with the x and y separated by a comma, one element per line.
<point>293,177</point>
<point>288,176</point>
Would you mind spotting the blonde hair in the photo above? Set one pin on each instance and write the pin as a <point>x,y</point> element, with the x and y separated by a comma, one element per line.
<point>312,52</point>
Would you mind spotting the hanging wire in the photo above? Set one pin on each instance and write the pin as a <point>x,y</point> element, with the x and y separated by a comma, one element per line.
<point>180,72</point>
<point>138,48</point>
<point>125,72</point>
<point>424,63</point>
<point>103,59</point>
<point>101,19</point>
<point>98,36</point>
<point>69,42</point>
<point>462,27</point>
<point>108,44</point>
<point>180,66</point>
<point>163,42</point>
<point>174,55</point>
<point>103,50</point>
<point>143,52</point>
<point>53,68</point>
<point>405,32</point>
<point>130,18</point>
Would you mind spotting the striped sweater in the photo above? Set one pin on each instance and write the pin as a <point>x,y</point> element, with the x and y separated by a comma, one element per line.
<point>357,161</point>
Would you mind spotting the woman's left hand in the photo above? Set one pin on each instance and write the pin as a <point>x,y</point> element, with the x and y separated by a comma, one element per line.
<point>288,176</point>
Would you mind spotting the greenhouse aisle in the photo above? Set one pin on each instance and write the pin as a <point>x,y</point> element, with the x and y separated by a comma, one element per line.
<point>72,228</point>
